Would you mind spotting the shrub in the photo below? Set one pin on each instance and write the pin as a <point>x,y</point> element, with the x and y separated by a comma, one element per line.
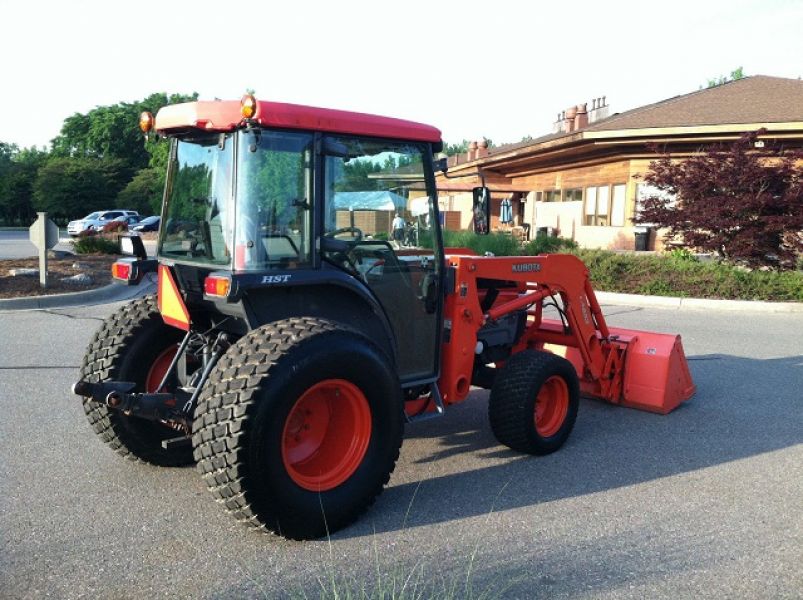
<point>671,275</point>
<point>95,245</point>
<point>498,244</point>
<point>681,255</point>
<point>544,244</point>
<point>115,227</point>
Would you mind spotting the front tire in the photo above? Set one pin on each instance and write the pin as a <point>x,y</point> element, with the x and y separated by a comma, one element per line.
<point>299,427</point>
<point>134,344</point>
<point>534,401</point>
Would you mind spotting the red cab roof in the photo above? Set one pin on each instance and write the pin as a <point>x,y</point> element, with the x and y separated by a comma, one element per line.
<point>224,115</point>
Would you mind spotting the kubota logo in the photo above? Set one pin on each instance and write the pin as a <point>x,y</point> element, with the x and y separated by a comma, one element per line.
<point>526,267</point>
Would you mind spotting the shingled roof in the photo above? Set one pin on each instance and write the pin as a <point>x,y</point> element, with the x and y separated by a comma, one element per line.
<point>756,99</point>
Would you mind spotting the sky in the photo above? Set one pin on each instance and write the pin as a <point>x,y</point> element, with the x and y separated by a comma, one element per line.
<point>498,69</point>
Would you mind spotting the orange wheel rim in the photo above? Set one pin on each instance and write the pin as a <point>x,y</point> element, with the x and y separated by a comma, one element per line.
<point>551,406</point>
<point>158,369</point>
<point>326,435</point>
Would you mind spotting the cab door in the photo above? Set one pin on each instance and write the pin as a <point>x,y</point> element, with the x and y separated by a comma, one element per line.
<point>368,184</point>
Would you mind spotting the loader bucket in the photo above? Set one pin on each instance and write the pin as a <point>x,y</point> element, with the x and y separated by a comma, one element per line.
<point>656,376</point>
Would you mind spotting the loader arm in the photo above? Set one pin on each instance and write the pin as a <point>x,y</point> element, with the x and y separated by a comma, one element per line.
<point>638,369</point>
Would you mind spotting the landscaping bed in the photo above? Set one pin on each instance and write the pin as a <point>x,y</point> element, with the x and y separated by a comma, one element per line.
<point>676,273</point>
<point>96,266</point>
<point>684,276</point>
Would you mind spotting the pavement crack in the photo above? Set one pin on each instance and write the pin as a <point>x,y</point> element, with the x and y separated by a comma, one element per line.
<point>69,316</point>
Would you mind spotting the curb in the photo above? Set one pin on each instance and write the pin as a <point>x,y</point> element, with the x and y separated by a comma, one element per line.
<point>114,292</point>
<point>700,303</point>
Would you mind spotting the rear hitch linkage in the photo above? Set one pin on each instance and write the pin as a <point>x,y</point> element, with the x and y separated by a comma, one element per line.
<point>172,409</point>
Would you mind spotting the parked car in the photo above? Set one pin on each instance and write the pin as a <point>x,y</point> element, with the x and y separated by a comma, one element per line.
<point>129,220</point>
<point>96,220</point>
<point>147,224</point>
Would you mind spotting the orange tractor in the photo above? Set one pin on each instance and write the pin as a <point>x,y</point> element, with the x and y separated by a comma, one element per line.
<point>291,339</point>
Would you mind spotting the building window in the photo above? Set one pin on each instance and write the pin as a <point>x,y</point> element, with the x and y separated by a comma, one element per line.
<point>618,205</point>
<point>575,195</point>
<point>596,206</point>
<point>603,208</point>
<point>552,196</point>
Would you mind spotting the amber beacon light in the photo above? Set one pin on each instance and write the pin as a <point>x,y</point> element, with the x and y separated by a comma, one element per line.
<point>146,121</point>
<point>248,106</point>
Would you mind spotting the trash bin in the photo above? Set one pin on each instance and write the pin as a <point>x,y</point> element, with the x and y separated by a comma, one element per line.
<point>642,240</point>
<point>542,231</point>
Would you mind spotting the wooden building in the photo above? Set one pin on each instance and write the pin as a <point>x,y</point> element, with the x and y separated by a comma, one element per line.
<point>582,181</point>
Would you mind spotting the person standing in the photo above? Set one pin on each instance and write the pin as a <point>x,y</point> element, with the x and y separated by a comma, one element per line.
<point>398,226</point>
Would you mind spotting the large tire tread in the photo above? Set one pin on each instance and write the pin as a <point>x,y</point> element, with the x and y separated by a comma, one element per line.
<point>102,362</point>
<point>228,405</point>
<point>510,403</point>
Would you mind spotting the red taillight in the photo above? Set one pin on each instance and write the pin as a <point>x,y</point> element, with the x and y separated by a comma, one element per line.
<point>217,286</point>
<point>121,271</point>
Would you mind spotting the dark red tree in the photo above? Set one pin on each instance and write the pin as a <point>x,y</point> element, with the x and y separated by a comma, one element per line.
<point>741,201</point>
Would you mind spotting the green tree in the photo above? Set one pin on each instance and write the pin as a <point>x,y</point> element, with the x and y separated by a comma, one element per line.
<point>462,147</point>
<point>72,187</point>
<point>16,186</point>
<point>737,73</point>
<point>459,148</point>
<point>111,132</point>
<point>742,203</point>
<point>144,192</point>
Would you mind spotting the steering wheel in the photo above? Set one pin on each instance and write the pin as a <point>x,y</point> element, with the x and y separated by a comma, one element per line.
<point>352,230</point>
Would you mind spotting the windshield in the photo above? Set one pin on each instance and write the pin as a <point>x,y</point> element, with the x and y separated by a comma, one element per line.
<point>197,214</point>
<point>91,216</point>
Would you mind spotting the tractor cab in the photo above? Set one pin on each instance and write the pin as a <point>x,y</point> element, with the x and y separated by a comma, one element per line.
<point>283,212</point>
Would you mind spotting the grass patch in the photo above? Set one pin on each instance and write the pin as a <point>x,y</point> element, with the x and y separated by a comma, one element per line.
<point>426,579</point>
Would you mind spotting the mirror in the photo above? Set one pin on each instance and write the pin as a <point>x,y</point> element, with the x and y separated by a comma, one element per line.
<point>131,245</point>
<point>481,210</point>
<point>440,164</point>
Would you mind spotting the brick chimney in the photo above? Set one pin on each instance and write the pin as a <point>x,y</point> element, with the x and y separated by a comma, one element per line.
<point>568,119</point>
<point>482,149</point>
<point>472,151</point>
<point>581,118</point>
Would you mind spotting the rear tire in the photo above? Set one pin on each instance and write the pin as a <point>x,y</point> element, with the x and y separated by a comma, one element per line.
<point>534,401</point>
<point>299,427</point>
<point>133,344</point>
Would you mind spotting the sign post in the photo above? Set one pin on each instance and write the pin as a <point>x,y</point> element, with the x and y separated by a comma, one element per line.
<point>44,235</point>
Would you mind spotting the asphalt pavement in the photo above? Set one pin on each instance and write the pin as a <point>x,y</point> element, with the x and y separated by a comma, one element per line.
<point>16,244</point>
<point>702,503</point>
